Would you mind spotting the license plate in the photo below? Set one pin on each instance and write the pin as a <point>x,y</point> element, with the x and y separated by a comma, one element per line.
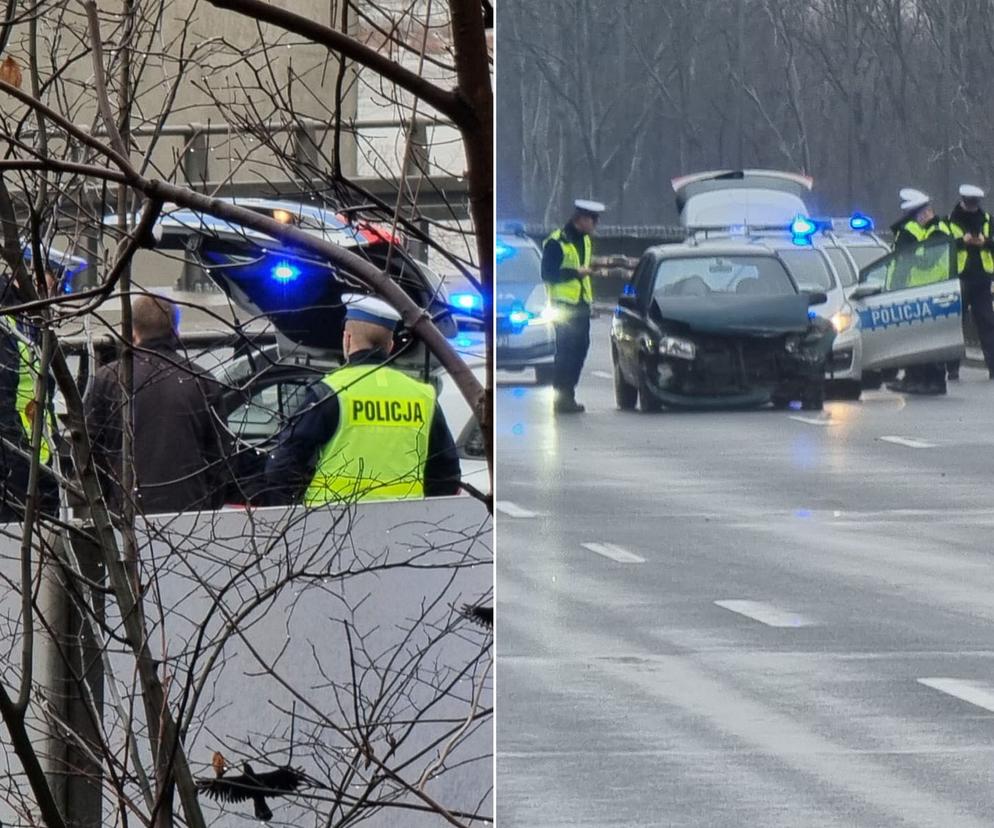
<point>503,341</point>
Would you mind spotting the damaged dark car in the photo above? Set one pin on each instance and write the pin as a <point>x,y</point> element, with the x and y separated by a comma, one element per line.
<point>717,326</point>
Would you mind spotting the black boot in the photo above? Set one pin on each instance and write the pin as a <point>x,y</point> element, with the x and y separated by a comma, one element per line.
<point>566,403</point>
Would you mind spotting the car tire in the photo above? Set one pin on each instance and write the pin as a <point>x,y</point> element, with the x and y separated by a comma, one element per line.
<point>813,398</point>
<point>648,402</point>
<point>545,374</point>
<point>845,390</point>
<point>872,380</point>
<point>625,395</point>
<point>780,403</point>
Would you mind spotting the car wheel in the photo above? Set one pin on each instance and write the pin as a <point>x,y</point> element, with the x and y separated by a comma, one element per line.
<point>872,380</point>
<point>625,395</point>
<point>648,402</point>
<point>780,403</point>
<point>545,374</point>
<point>845,390</point>
<point>813,398</point>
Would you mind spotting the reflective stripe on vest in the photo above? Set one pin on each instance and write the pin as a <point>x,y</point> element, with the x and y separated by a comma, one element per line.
<point>27,371</point>
<point>380,447</point>
<point>986,257</point>
<point>572,291</point>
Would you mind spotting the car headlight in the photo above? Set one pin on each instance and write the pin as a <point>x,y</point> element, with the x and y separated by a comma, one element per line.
<point>673,346</point>
<point>843,320</point>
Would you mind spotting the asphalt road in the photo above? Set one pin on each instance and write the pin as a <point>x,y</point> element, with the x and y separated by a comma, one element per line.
<point>751,618</point>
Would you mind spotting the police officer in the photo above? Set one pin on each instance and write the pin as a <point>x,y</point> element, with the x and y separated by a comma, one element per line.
<point>918,224</point>
<point>366,431</point>
<point>566,256</point>
<point>971,227</point>
<point>19,369</point>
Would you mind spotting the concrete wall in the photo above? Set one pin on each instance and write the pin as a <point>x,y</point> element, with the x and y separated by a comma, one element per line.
<point>421,560</point>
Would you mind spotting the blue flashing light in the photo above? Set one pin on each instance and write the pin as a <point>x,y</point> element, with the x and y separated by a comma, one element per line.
<point>503,251</point>
<point>464,342</point>
<point>519,317</point>
<point>802,226</point>
<point>860,222</point>
<point>285,272</point>
<point>467,301</point>
<point>812,314</point>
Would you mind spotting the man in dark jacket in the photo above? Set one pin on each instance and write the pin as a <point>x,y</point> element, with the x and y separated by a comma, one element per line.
<point>971,227</point>
<point>180,445</point>
<point>366,431</point>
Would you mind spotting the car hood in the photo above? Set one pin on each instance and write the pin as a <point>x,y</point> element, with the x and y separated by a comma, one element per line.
<point>510,294</point>
<point>732,314</point>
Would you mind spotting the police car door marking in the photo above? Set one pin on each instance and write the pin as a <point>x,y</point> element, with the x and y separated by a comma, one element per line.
<point>510,509</point>
<point>977,693</point>
<point>910,312</point>
<point>614,552</point>
<point>765,613</point>
<point>907,441</point>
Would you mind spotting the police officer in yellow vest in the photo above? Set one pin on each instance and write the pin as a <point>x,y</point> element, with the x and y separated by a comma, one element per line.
<point>566,256</point>
<point>971,227</point>
<point>366,431</point>
<point>19,367</point>
<point>918,225</point>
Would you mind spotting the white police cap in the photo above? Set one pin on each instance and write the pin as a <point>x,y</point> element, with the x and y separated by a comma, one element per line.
<point>970,191</point>
<point>363,308</point>
<point>912,199</point>
<point>587,206</point>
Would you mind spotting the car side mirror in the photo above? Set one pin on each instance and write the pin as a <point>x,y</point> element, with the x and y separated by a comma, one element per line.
<point>627,301</point>
<point>863,291</point>
<point>817,297</point>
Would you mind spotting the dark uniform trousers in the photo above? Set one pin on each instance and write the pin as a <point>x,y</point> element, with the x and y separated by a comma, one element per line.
<point>977,298</point>
<point>572,343</point>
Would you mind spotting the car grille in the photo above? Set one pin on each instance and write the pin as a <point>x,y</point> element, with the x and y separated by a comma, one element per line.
<point>730,365</point>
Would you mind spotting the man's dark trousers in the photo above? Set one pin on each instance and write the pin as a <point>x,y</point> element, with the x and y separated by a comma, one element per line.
<point>572,344</point>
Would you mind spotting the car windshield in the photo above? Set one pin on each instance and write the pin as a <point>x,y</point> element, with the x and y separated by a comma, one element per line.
<point>703,275</point>
<point>809,269</point>
<point>518,263</point>
<point>865,255</point>
<point>843,267</point>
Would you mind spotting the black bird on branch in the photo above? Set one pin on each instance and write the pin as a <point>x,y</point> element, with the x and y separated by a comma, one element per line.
<point>251,785</point>
<point>484,616</point>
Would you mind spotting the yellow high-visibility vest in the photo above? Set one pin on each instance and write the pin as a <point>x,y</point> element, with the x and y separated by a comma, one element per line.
<point>572,291</point>
<point>986,257</point>
<point>27,372</point>
<point>380,448</point>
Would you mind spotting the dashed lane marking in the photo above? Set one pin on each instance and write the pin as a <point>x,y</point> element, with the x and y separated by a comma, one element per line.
<point>603,374</point>
<point>816,421</point>
<point>765,613</point>
<point>978,693</point>
<point>907,441</point>
<point>614,552</point>
<point>510,509</point>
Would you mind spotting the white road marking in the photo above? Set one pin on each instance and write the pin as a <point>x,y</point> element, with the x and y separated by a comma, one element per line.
<point>603,374</point>
<point>765,613</point>
<point>812,420</point>
<point>614,552</point>
<point>907,441</point>
<point>513,509</point>
<point>978,693</point>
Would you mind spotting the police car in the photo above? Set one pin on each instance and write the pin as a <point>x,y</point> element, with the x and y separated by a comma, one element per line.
<point>525,334</point>
<point>298,298</point>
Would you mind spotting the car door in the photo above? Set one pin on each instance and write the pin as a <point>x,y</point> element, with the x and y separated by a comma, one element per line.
<point>628,324</point>
<point>909,307</point>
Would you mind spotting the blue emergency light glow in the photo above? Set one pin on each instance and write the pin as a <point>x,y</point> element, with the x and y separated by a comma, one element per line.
<point>285,272</point>
<point>860,222</point>
<point>503,251</point>
<point>802,229</point>
<point>464,342</point>
<point>467,301</point>
<point>519,317</point>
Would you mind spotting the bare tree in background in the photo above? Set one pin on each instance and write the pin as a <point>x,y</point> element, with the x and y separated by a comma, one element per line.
<point>866,97</point>
<point>174,615</point>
